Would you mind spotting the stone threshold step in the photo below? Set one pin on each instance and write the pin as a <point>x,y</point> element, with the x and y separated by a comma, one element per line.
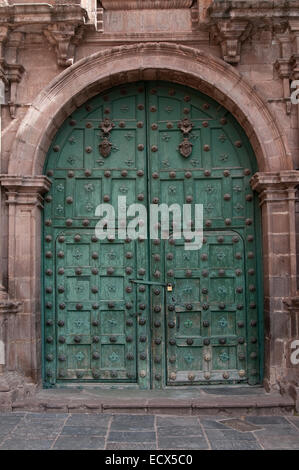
<point>251,404</point>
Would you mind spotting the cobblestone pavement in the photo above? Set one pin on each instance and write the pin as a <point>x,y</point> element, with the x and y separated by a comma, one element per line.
<point>39,431</point>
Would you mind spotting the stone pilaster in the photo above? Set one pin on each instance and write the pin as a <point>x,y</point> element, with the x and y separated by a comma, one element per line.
<point>24,199</point>
<point>277,193</point>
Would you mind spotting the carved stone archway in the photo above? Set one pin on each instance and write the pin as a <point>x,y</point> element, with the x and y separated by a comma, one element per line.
<point>151,61</point>
<point>104,70</point>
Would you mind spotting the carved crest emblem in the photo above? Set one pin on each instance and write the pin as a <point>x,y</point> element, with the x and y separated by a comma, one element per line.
<point>105,147</point>
<point>106,126</point>
<point>185,148</point>
<point>185,125</point>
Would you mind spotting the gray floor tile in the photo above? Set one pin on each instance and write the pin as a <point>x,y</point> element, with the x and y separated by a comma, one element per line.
<point>240,425</point>
<point>132,436</point>
<point>84,443</point>
<point>82,419</point>
<point>6,429</point>
<point>176,421</point>
<point>266,419</point>
<point>46,416</point>
<point>131,446</point>
<point>191,443</point>
<point>26,444</point>
<point>10,420</point>
<point>212,423</point>
<point>276,430</point>
<point>234,445</point>
<point>84,431</point>
<point>180,431</point>
<point>43,430</point>
<point>279,443</point>
<point>294,420</point>
<point>132,422</point>
<point>227,434</point>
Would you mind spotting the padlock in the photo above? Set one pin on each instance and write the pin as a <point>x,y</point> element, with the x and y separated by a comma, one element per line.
<point>169,287</point>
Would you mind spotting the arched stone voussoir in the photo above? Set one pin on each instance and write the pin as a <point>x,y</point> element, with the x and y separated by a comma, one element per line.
<point>150,61</point>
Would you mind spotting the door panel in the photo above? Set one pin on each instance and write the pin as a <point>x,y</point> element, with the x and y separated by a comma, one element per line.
<point>149,313</point>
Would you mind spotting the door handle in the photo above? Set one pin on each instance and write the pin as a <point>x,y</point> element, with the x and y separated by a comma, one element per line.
<point>152,283</point>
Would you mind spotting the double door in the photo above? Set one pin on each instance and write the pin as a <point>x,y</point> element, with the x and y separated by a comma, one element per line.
<point>147,312</point>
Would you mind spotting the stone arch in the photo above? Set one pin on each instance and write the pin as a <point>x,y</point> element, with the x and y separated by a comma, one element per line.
<point>151,61</point>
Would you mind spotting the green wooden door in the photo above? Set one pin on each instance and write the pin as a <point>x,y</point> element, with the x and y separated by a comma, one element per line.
<point>109,316</point>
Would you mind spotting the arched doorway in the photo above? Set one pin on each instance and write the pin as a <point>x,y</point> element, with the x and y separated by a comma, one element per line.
<point>101,327</point>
